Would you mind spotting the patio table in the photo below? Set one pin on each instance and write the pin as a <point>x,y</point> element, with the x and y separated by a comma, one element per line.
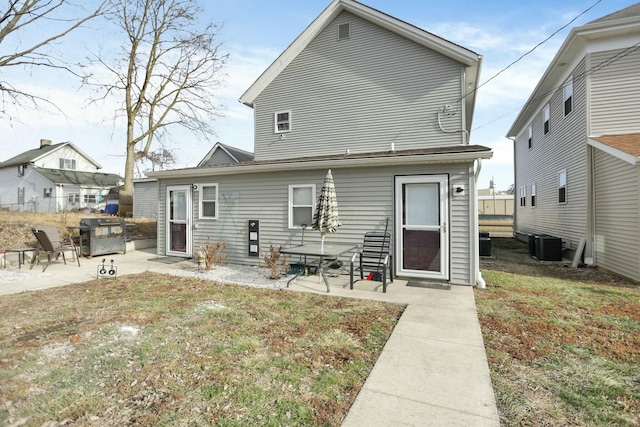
<point>21,252</point>
<point>320,251</point>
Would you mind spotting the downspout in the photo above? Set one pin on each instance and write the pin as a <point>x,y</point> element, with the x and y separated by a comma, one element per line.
<point>480,283</point>
<point>515,176</point>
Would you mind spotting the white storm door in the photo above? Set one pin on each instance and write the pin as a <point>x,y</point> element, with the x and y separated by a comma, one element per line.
<point>422,237</point>
<point>179,221</point>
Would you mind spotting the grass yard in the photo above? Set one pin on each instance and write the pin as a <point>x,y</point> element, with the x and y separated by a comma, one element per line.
<point>153,349</point>
<point>563,344</point>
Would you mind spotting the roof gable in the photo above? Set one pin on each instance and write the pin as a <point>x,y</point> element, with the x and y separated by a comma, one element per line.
<point>32,156</point>
<point>236,154</point>
<point>468,58</point>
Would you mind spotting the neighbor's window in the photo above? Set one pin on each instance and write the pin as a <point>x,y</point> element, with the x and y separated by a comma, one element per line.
<point>68,164</point>
<point>282,121</point>
<point>301,200</point>
<point>562,187</point>
<point>568,96</point>
<point>89,198</point>
<point>21,195</point>
<point>74,198</point>
<point>533,195</point>
<point>523,196</point>
<point>47,193</point>
<point>344,31</point>
<point>545,113</point>
<point>530,140</point>
<point>209,201</point>
<point>20,170</point>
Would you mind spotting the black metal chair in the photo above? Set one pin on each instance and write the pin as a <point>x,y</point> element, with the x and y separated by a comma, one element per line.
<point>49,241</point>
<point>375,258</point>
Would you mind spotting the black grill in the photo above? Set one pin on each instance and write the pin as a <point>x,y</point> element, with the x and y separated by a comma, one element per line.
<point>100,236</point>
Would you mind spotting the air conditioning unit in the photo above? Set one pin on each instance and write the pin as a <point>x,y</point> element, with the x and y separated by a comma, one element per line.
<point>548,248</point>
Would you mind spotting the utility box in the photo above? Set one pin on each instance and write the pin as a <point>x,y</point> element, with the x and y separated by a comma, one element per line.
<point>485,244</point>
<point>549,248</point>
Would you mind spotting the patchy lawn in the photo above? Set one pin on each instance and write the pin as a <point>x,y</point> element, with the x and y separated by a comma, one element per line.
<point>153,349</point>
<point>563,344</point>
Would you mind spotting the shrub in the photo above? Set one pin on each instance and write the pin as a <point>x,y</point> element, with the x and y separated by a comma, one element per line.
<point>213,253</point>
<point>276,263</point>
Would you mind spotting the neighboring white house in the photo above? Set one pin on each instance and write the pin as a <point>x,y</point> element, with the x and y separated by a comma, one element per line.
<point>54,178</point>
<point>387,107</point>
<point>577,146</point>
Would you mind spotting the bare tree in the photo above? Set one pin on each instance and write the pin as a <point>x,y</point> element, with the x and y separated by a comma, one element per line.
<point>165,74</point>
<point>156,160</point>
<point>19,20</point>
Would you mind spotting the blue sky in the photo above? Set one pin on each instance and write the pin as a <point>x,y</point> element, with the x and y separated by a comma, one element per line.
<point>255,32</point>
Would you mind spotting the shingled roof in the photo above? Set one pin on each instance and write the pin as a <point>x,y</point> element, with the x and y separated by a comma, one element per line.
<point>85,179</point>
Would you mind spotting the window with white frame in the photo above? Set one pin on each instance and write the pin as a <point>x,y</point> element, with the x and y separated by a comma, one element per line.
<point>89,198</point>
<point>301,203</point>
<point>344,31</point>
<point>562,187</point>
<point>568,96</point>
<point>73,198</point>
<point>20,170</point>
<point>69,164</point>
<point>282,121</point>
<point>530,132</point>
<point>523,196</point>
<point>545,113</point>
<point>47,193</point>
<point>533,195</point>
<point>208,201</point>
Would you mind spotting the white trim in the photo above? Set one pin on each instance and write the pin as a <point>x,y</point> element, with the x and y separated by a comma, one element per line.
<point>188,252</point>
<point>566,186</point>
<point>534,193</point>
<point>289,121</point>
<point>200,200</point>
<point>626,157</point>
<point>290,204</point>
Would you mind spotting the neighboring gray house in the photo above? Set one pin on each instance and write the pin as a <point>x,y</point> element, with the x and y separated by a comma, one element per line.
<point>222,154</point>
<point>387,107</point>
<point>577,146</point>
<point>54,178</point>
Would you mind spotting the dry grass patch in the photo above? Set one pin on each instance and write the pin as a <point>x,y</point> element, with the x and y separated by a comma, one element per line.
<point>563,344</point>
<point>152,349</point>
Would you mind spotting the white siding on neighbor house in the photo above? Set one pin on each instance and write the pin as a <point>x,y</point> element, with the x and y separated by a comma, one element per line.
<point>33,184</point>
<point>52,160</point>
<point>360,94</point>
<point>617,216</point>
<point>563,148</point>
<point>365,200</point>
<point>614,93</point>
<point>145,199</point>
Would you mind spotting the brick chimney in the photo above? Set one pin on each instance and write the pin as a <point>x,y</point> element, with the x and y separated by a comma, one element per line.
<point>45,142</point>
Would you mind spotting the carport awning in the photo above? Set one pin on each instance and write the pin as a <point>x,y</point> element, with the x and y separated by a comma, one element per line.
<point>625,147</point>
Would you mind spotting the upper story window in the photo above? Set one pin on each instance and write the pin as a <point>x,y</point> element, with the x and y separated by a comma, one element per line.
<point>282,121</point>
<point>68,164</point>
<point>530,140</point>
<point>344,31</point>
<point>301,203</point>
<point>545,113</point>
<point>20,170</point>
<point>533,195</point>
<point>568,96</point>
<point>209,201</point>
<point>562,187</point>
<point>523,196</point>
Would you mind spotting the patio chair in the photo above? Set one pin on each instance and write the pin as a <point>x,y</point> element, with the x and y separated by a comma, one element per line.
<point>49,241</point>
<point>374,258</point>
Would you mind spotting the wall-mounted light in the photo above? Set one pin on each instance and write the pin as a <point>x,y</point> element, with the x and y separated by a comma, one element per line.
<point>458,190</point>
<point>282,136</point>
<point>194,186</point>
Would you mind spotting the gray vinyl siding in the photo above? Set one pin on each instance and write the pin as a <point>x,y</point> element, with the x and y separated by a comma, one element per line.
<point>563,148</point>
<point>614,93</point>
<point>219,157</point>
<point>361,94</point>
<point>365,200</point>
<point>145,199</point>
<point>617,215</point>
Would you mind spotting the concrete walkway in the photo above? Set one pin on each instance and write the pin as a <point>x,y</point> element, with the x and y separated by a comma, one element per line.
<point>433,371</point>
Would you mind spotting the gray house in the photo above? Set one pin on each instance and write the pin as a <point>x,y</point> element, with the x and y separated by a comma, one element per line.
<point>577,146</point>
<point>54,178</point>
<point>387,107</point>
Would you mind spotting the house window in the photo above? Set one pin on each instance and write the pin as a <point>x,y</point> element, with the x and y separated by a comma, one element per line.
<point>68,164</point>
<point>568,96</point>
<point>282,121</point>
<point>545,113</point>
<point>74,198</point>
<point>530,140</point>
<point>562,187</point>
<point>533,195</point>
<point>20,170</point>
<point>301,200</point>
<point>21,195</point>
<point>209,201</point>
<point>344,31</point>
<point>89,198</point>
<point>523,196</point>
<point>47,193</point>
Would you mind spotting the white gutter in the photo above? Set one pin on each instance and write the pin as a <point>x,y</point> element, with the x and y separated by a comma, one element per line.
<point>475,229</point>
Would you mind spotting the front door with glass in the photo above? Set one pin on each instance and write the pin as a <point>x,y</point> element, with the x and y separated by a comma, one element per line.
<point>179,220</point>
